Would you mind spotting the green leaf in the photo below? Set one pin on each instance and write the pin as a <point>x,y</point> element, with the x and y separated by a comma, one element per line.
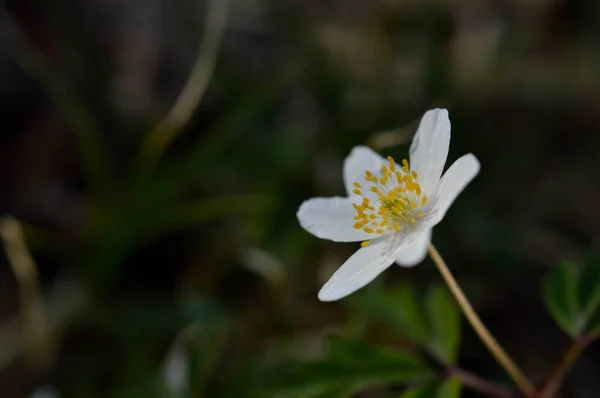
<point>426,391</point>
<point>589,287</point>
<point>351,367</point>
<point>398,307</point>
<point>450,388</point>
<point>594,329</point>
<point>444,324</point>
<point>560,295</point>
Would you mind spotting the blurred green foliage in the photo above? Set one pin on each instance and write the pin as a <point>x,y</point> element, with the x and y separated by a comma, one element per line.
<point>202,259</point>
<point>572,295</point>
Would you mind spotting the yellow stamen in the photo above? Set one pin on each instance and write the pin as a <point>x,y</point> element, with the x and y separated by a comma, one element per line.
<point>365,243</point>
<point>396,205</point>
<point>392,163</point>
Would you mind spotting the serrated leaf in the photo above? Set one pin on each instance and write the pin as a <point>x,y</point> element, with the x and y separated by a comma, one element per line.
<point>560,295</point>
<point>444,324</point>
<point>352,366</point>
<point>589,287</point>
<point>450,388</point>
<point>398,307</point>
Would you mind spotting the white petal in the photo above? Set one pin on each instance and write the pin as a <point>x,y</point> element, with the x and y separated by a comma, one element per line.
<point>360,159</point>
<point>412,253</point>
<point>331,218</point>
<point>453,182</point>
<point>360,269</point>
<point>429,148</point>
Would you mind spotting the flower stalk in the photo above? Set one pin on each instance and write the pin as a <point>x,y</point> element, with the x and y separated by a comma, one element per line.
<point>515,373</point>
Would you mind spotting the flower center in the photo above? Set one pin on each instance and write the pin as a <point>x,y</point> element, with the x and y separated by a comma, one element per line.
<point>398,204</point>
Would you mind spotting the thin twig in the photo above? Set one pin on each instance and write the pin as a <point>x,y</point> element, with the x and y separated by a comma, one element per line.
<point>480,385</point>
<point>167,129</point>
<point>34,321</point>
<point>80,119</point>
<point>64,300</point>
<point>490,342</point>
<point>561,370</point>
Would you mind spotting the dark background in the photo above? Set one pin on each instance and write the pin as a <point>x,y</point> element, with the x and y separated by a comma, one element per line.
<point>208,240</point>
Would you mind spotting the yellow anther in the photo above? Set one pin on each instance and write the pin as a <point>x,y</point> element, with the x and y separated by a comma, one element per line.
<point>394,204</point>
<point>365,243</point>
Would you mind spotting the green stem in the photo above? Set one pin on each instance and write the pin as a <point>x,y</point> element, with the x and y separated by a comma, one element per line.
<point>486,337</point>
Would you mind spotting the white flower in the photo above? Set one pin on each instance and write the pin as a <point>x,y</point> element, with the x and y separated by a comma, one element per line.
<point>390,207</point>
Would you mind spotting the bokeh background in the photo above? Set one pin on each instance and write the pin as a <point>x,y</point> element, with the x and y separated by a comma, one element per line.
<point>176,262</point>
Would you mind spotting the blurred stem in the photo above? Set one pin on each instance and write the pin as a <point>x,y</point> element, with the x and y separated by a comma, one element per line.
<point>167,129</point>
<point>560,371</point>
<point>480,385</point>
<point>34,321</point>
<point>490,342</point>
<point>79,118</point>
